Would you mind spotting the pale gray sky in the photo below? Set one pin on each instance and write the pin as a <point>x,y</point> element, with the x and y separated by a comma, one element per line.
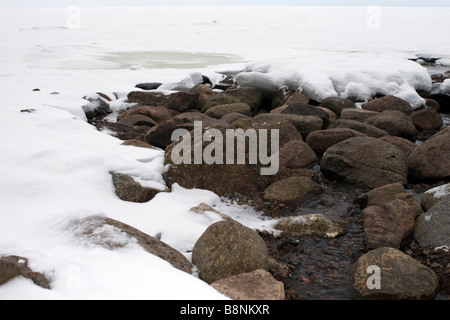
<point>7,4</point>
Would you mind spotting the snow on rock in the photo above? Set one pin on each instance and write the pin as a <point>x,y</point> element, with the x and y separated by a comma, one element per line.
<point>445,87</point>
<point>359,77</point>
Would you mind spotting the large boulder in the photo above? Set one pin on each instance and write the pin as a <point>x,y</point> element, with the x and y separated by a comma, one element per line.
<point>303,109</point>
<point>179,101</point>
<point>255,285</point>
<point>221,110</point>
<point>404,145</point>
<point>304,124</point>
<point>364,128</point>
<point>427,119</point>
<point>388,273</point>
<point>360,115</point>
<point>388,225</point>
<point>429,161</point>
<point>321,140</point>
<point>388,103</point>
<point>297,154</point>
<point>395,123</point>
<point>228,248</point>
<point>251,96</point>
<point>365,160</point>
<point>286,96</point>
<point>432,228</point>
<point>156,113</point>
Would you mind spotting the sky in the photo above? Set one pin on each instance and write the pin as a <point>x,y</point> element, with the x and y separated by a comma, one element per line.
<point>25,4</point>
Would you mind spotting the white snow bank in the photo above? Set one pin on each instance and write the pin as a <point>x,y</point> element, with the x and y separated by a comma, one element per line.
<point>445,87</point>
<point>359,77</point>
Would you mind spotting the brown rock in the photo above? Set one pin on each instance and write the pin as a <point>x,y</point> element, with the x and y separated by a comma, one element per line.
<point>337,105</point>
<point>312,224</point>
<point>321,140</point>
<point>364,128</point>
<point>129,190</point>
<point>303,109</point>
<point>222,110</point>
<point>360,115</point>
<point>304,124</point>
<point>137,143</point>
<point>299,96</point>
<point>389,103</point>
<point>256,285</point>
<point>395,123</point>
<point>388,225</point>
<point>232,117</point>
<point>228,248</point>
<point>14,266</point>
<point>293,191</point>
<point>427,119</point>
<point>404,145</point>
<point>156,113</point>
<point>400,277</point>
<point>297,154</point>
<point>365,160</point>
<point>138,120</point>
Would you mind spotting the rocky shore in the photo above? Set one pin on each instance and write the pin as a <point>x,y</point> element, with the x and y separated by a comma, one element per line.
<point>356,188</point>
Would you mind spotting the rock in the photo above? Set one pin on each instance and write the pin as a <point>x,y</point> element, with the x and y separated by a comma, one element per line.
<point>304,124</point>
<point>228,248</point>
<point>369,161</point>
<point>138,120</point>
<point>395,123</point>
<point>202,208</point>
<point>297,154</point>
<point>149,85</point>
<point>427,119</point>
<point>97,106</point>
<point>279,271</point>
<point>312,224</point>
<point>321,140</point>
<point>385,194</point>
<point>360,115</point>
<point>292,191</point>
<point>299,96</point>
<point>156,113</point>
<point>148,98</point>
<point>432,227</point>
<point>182,101</point>
<point>404,145</point>
<point>432,196</point>
<point>388,103</point>
<point>203,92</point>
<point>337,105</point>
<point>127,189</point>
<point>14,266</point>
<point>400,277</point>
<point>303,109</point>
<point>364,128</point>
<point>222,110</point>
<point>232,117</point>
<point>429,161</point>
<point>255,285</point>
<point>258,80</point>
<point>388,225</point>
<point>248,95</point>
<point>138,143</point>
<point>111,234</point>
<point>281,97</point>
<point>430,103</point>
<point>161,135</point>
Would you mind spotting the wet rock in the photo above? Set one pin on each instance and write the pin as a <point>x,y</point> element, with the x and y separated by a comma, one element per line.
<point>228,248</point>
<point>369,161</point>
<point>400,277</point>
<point>432,196</point>
<point>256,285</point>
<point>427,119</point>
<point>385,194</point>
<point>360,115</point>
<point>388,225</point>
<point>364,128</point>
<point>404,145</point>
<point>429,161</point>
<point>389,103</point>
<point>304,124</point>
<point>337,105</point>
<point>222,110</point>
<point>156,113</point>
<point>127,189</point>
<point>293,191</point>
<point>321,140</point>
<point>432,227</point>
<point>297,154</point>
<point>14,266</point>
<point>312,224</point>
<point>395,123</point>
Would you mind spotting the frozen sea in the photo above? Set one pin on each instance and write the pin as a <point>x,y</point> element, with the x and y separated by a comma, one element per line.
<point>54,167</point>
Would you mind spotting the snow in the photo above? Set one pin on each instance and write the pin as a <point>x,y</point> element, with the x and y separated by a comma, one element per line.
<point>445,87</point>
<point>54,166</point>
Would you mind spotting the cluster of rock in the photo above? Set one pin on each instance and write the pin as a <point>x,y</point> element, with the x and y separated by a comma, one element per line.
<point>373,148</point>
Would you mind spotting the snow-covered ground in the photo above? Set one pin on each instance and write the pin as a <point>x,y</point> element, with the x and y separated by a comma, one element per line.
<point>54,167</point>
